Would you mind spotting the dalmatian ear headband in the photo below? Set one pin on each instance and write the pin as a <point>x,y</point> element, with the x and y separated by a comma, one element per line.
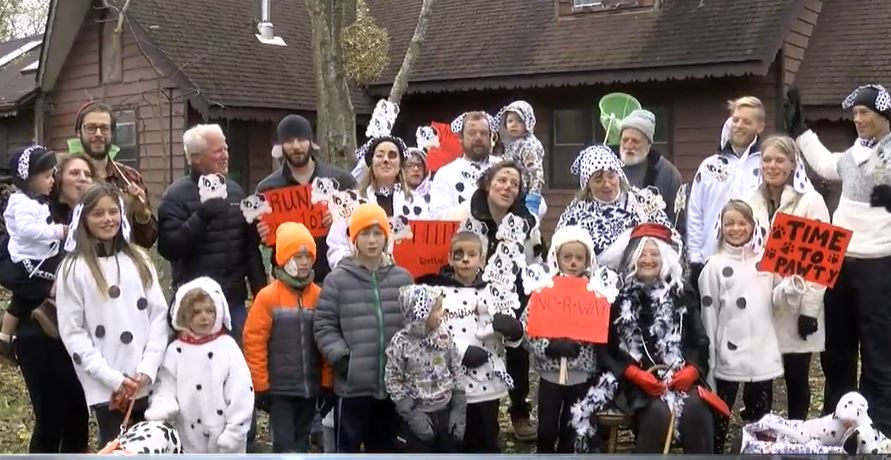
<point>25,161</point>
<point>458,123</point>
<point>883,99</point>
<point>71,239</point>
<point>593,159</point>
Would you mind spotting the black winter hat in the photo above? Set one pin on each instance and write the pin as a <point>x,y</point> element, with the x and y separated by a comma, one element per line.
<point>29,161</point>
<point>873,97</point>
<point>368,148</point>
<point>294,127</point>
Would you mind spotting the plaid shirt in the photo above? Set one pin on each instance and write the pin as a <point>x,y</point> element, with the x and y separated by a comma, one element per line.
<point>144,234</point>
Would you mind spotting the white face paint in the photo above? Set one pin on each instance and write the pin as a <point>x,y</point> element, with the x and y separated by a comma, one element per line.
<point>291,268</point>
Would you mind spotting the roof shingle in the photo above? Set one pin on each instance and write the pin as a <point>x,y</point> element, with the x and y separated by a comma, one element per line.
<point>14,85</point>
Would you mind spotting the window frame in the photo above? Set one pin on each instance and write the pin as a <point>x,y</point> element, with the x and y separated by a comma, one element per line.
<point>129,153</point>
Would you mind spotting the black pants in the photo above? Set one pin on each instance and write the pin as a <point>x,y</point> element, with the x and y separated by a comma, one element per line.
<point>554,404</point>
<point>110,421</point>
<point>696,426</point>
<point>858,316</point>
<point>61,418</point>
<point>482,430</point>
<point>365,421</point>
<point>290,422</point>
<point>757,401</point>
<point>517,364</point>
<point>797,367</point>
<point>442,443</point>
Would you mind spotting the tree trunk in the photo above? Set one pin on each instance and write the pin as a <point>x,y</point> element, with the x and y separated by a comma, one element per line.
<point>411,54</point>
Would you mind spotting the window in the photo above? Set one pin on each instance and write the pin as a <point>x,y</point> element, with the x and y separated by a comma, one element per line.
<point>126,136</point>
<point>583,3</point>
<point>573,7</point>
<point>662,137</point>
<point>111,56</point>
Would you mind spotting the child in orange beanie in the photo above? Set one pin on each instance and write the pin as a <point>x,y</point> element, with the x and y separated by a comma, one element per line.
<point>286,367</point>
<point>358,314</point>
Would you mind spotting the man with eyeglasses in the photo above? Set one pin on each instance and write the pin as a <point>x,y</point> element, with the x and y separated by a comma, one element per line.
<point>94,126</point>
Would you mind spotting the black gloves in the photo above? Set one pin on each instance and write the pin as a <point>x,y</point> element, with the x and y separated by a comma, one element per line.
<point>793,118</point>
<point>263,401</point>
<point>508,326</point>
<point>563,348</point>
<point>212,209</point>
<point>881,196</point>
<point>475,356</point>
<point>807,325</point>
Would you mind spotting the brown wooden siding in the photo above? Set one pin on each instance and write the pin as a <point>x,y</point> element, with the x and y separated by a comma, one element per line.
<point>140,89</point>
<point>796,42</point>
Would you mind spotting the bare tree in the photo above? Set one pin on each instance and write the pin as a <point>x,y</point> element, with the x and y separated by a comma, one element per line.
<point>22,18</point>
<point>400,84</point>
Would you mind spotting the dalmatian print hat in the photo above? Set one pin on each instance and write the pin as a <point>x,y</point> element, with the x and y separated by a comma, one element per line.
<point>521,108</point>
<point>875,97</point>
<point>594,159</point>
<point>417,301</point>
<point>458,123</point>
<point>222,318</point>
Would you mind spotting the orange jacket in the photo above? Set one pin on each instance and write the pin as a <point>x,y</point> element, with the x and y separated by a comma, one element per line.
<point>278,342</point>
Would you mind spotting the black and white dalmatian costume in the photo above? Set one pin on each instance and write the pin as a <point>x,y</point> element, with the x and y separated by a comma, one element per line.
<point>610,224</point>
<point>204,384</point>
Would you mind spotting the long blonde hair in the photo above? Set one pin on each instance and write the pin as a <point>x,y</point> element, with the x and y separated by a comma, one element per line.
<point>368,180</point>
<point>87,246</point>
<point>787,146</point>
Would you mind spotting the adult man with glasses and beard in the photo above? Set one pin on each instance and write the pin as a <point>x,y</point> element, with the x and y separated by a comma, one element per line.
<point>94,126</point>
<point>300,165</point>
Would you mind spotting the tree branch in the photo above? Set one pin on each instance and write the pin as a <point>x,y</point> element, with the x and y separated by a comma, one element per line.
<point>400,84</point>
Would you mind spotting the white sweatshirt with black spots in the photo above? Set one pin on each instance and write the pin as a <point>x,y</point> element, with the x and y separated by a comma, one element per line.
<point>109,335</point>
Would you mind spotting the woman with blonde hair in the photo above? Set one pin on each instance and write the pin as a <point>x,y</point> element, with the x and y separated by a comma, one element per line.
<point>799,321</point>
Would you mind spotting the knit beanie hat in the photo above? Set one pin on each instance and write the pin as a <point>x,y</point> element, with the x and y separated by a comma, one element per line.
<point>291,238</point>
<point>366,151</point>
<point>873,97</point>
<point>29,161</point>
<point>293,127</point>
<point>366,215</point>
<point>641,120</point>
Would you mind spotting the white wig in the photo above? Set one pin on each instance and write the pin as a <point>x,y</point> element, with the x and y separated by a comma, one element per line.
<point>672,273</point>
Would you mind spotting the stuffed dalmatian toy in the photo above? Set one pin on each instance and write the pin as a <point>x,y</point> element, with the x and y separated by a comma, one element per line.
<point>829,430</point>
<point>426,138</point>
<point>254,206</point>
<point>382,119</point>
<point>149,437</point>
<point>867,440</point>
<point>212,186</point>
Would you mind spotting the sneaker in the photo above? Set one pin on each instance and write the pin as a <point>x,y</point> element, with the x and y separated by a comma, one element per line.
<point>525,430</point>
<point>6,349</point>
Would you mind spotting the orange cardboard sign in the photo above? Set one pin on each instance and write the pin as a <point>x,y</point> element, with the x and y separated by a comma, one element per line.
<point>427,250</point>
<point>812,249</point>
<point>449,147</point>
<point>568,310</point>
<point>292,204</point>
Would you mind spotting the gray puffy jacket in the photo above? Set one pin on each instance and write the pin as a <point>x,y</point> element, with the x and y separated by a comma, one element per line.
<point>357,315</point>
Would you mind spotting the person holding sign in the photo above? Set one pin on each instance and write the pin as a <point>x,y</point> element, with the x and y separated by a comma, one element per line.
<point>737,310</point>
<point>659,349</point>
<point>564,365</point>
<point>858,307</point>
<point>799,321</point>
<point>383,183</point>
<point>356,317</point>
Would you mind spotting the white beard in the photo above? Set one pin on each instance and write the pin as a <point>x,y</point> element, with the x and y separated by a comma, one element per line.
<point>631,159</point>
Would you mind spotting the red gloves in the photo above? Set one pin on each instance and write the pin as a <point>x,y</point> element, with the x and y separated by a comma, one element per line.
<point>644,380</point>
<point>684,378</point>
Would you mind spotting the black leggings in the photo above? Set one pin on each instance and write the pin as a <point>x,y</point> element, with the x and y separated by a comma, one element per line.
<point>696,426</point>
<point>798,389</point>
<point>61,419</point>
<point>757,401</point>
<point>555,401</point>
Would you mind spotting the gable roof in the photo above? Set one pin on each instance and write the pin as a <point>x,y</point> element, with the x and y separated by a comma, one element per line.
<point>474,44</point>
<point>849,48</point>
<point>17,87</point>
<point>209,48</point>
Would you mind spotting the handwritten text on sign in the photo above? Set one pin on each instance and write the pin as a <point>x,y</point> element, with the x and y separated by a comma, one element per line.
<point>568,310</point>
<point>427,251</point>
<point>291,204</point>
<point>809,248</point>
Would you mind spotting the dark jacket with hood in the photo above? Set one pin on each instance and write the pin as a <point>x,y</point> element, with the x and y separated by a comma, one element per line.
<point>357,315</point>
<point>657,171</point>
<point>282,178</point>
<point>225,248</point>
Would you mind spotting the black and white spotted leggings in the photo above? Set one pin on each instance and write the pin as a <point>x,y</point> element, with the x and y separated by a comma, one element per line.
<point>757,402</point>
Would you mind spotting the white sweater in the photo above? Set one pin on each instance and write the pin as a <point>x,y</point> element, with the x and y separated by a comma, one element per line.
<point>32,235</point>
<point>809,205</point>
<point>737,315</point>
<point>108,337</point>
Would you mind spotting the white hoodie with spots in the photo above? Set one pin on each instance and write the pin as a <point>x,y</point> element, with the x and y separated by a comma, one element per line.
<point>110,334</point>
<point>204,385</point>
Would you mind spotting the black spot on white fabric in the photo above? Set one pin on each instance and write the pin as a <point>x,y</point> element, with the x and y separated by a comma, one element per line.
<point>126,337</point>
<point>77,359</point>
<point>464,330</point>
<point>741,302</point>
<point>114,292</point>
<point>49,219</point>
<point>459,186</point>
<point>731,346</point>
<point>469,385</point>
<point>727,272</point>
<point>698,177</point>
<point>461,199</point>
<point>179,349</point>
<point>142,304</point>
<point>755,172</point>
<point>100,331</point>
<point>252,388</point>
<point>707,301</point>
<point>417,210</point>
<point>198,421</point>
<point>219,411</point>
<point>209,355</point>
<point>198,387</point>
<point>193,426</point>
<point>405,210</point>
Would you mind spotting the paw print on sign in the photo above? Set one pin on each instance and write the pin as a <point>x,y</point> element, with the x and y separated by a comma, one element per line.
<point>778,233</point>
<point>833,258</point>
<point>786,249</point>
<point>770,253</point>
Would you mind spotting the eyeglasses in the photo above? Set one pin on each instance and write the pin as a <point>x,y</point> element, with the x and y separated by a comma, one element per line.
<point>93,129</point>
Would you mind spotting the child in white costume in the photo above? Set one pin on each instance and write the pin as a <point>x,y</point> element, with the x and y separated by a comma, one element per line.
<point>204,381</point>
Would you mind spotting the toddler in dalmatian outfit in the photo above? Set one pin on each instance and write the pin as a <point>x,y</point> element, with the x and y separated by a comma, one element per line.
<point>516,123</point>
<point>204,383</point>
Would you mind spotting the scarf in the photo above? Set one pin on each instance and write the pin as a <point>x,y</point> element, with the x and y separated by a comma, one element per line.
<point>294,283</point>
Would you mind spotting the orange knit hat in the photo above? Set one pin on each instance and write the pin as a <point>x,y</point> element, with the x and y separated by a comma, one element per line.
<point>366,215</point>
<point>291,238</point>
